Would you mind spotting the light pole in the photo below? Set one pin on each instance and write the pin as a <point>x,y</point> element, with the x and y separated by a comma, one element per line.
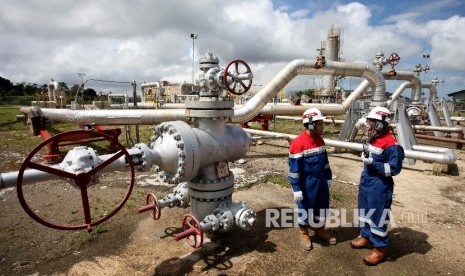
<point>81,87</point>
<point>194,37</point>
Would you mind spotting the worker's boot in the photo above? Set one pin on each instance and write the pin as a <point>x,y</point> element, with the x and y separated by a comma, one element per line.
<point>361,242</point>
<point>321,234</point>
<point>376,256</point>
<point>305,238</point>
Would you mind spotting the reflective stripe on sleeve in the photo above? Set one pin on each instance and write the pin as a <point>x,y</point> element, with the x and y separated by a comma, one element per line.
<point>375,150</point>
<point>294,175</point>
<point>387,169</point>
<point>314,151</point>
<point>296,155</point>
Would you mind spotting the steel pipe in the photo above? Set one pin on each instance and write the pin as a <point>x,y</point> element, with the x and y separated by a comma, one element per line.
<point>417,127</point>
<point>112,116</point>
<point>440,139</point>
<point>435,128</point>
<point>405,85</point>
<point>413,81</point>
<point>258,103</point>
<point>445,156</point>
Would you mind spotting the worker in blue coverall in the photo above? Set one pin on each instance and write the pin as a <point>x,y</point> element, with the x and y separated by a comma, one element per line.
<point>382,160</point>
<point>310,177</point>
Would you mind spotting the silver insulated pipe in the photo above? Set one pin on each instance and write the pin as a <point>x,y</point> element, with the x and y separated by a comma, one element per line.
<point>406,85</point>
<point>413,80</point>
<point>307,67</point>
<point>420,152</point>
<point>111,116</point>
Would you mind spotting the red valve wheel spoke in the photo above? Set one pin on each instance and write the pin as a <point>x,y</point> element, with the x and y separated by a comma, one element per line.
<point>85,205</point>
<point>81,179</point>
<point>112,159</point>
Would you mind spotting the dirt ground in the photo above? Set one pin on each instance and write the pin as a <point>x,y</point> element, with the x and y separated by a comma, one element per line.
<point>427,237</point>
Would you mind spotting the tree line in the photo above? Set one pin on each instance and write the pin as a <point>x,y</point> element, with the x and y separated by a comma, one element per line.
<point>22,93</point>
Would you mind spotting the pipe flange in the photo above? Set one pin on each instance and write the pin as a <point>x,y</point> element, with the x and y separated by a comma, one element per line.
<point>202,199</point>
<point>142,164</point>
<point>182,195</point>
<point>210,104</point>
<point>245,218</point>
<point>226,218</point>
<point>200,113</point>
<point>213,222</point>
<point>178,148</point>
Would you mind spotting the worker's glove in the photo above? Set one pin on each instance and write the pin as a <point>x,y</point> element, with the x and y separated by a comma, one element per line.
<point>298,196</point>
<point>367,160</point>
<point>330,182</point>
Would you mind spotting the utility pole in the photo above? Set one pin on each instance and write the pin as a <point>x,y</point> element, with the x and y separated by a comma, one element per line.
<point>194,37</point>
<point>80,88</point>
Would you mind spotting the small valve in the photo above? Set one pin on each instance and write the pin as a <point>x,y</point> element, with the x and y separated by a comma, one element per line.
<point>152,206</point>
<point>192,231</point>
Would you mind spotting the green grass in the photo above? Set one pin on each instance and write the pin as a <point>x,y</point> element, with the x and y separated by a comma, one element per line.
<point>335,196</point>
<point>8,120</point>
<point>269,178</point>
<point>277,179</point>
<point>96,230</point>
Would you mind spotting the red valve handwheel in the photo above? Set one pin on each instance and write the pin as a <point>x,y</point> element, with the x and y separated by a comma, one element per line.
<point>394,59</point>
<point>192,231</point>
<point>230,78</point>
<point>152,206</point>
<point>82,179</point>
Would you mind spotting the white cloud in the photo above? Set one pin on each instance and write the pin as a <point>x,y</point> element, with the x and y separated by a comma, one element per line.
<point>150,40</point>
<point>300,14</point>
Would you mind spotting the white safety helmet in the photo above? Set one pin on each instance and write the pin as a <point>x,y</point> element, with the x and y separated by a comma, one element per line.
<point>380,113</point>
<point>311,115</point>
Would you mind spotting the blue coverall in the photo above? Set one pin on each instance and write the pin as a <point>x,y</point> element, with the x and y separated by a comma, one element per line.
<point>309,172</point>
<point>376,188</point>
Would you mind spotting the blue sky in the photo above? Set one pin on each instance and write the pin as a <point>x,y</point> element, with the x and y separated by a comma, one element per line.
<point>150,40</point>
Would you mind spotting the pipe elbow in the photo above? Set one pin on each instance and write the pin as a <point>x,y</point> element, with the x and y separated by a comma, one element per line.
<point>449,157</point>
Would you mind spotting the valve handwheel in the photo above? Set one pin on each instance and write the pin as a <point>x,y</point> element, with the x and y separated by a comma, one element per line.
<point>81,179</point>
<point>152,206</point>
<point>426,69</point>
<point>394,59</point>
<point>233,76</point>
<point>192,228</point>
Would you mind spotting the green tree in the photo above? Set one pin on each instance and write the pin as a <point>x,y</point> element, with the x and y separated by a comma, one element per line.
<point>30,89</point>
<point>63,86</point>
<point>308,92</point>
<point>89,93</point>
<point>5,85</point>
